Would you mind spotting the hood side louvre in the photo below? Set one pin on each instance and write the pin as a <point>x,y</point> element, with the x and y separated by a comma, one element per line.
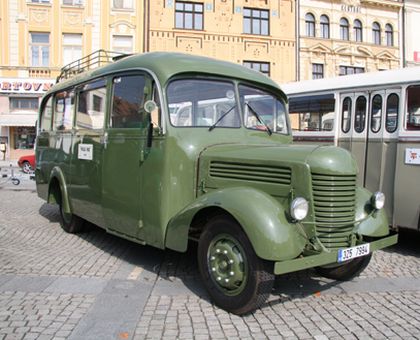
<point>251,172</point>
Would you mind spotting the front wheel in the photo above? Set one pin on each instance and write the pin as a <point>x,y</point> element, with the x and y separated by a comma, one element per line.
<point>234,276</point>
<point>345,271</point>
<point>71,223</point>
<point>26,167</point>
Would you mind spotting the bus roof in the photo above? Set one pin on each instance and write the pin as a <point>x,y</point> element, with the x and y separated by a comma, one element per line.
<point>166,65</point>
<point>354,81</point>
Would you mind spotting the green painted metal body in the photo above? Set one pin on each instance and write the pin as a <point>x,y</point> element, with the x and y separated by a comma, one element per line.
<point>151,193</point>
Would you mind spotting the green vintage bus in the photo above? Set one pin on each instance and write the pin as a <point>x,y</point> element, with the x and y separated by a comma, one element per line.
<point>165,148</point>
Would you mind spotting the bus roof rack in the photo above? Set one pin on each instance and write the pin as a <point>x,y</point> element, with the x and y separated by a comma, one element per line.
<point>89,62</point>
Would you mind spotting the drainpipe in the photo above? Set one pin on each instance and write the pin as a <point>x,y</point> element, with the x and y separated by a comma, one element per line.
<point>297,33</point>
<point>403,37</point>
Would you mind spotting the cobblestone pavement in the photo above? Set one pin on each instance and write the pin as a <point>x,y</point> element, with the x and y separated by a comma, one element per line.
<point>94,285</point>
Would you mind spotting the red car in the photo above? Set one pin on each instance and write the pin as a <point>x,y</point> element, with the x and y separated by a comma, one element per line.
<point>27,163</point>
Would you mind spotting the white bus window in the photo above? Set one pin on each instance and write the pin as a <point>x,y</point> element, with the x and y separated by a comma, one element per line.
<point>46,116</point>
<point>376,114</point>
<point>360,114</point>
<point>413,108</point>
<point>312,113</point>
<point>392,104</point>
<point>346,115</point>
<point>129,95</point>
<point>91,106</point>
<point>63,111</point>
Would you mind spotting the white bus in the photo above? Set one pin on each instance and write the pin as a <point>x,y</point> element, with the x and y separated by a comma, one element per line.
<point>376,116</point>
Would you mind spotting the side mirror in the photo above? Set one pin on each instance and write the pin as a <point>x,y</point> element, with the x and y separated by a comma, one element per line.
<point>150,106</point>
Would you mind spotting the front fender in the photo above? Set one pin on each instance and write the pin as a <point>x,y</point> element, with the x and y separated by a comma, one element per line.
<point>262,218</point>
<point>375,225</point>
<point>57,174</point>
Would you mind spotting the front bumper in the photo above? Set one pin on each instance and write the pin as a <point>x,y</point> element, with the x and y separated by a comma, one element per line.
<point>327,257</point>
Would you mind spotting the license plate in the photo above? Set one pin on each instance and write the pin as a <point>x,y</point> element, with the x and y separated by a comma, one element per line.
<point>353,252</point>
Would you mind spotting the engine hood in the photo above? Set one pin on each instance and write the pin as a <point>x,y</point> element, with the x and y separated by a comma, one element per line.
<point>322,159</point>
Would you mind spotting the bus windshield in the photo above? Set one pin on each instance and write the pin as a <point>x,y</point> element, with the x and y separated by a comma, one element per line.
<point>213,104</point>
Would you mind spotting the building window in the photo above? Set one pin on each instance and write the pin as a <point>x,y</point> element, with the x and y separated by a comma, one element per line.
<point>344,70</point>
<point>325,27</point>
<point>23,103</point>
<point>344,29</point>
<point>256,21</point>
<point>189,15</point>
<point>317,71</point>
<point>376,32</point>
<point>258,66</point>
<point>389,34</point>
<point>72,47</point>
<point>122,43</point>
<point>310,25</point>
<point>41,1</point>
<point>122,4</point>
<point>40,49</point>
<point>73,2</point>
<point>24,137</point>
<point>358,30</point>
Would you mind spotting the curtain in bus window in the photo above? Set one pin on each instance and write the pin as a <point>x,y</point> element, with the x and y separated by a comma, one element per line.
<point>91,106</point>
<point>360,114</point>
<point>315,113</point>
<point>376,113</point>
<point>346,115</point>
<point>64,108</point>
<point>128,98</point>
<point>392,110</point>
<point>413,108</point>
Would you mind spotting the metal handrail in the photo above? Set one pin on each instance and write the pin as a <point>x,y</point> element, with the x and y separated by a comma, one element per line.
<point>89,62</point>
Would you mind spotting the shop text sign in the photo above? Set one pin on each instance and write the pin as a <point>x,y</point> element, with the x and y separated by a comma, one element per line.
<point>22,85</point>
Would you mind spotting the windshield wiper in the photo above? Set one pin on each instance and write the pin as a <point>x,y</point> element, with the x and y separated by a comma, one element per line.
<point>221,117</point>
<point>267,128</point>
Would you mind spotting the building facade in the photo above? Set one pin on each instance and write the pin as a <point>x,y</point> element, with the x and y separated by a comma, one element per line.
<point>411,22</point>
<point>256,33</point>
<point>348,36</point>
<point>286,39</point>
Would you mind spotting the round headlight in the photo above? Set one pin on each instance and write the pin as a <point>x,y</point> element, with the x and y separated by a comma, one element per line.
<point>378,200</point>
<point>299,208</point>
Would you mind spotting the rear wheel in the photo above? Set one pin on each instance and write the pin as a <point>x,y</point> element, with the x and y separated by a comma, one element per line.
<point>234,276</point>
<point>345,271</point>
<point>70,222</point>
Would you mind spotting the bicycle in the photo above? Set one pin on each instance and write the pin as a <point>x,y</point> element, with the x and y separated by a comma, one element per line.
<point>8,175</point>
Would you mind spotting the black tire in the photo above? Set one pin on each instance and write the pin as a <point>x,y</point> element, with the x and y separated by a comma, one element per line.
<point>71,223</point>
<point>26,167</point>
<point>345,271</point>
<point>251,278</point>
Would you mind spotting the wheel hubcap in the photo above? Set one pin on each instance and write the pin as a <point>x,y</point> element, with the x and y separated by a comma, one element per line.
<point>227,264</point>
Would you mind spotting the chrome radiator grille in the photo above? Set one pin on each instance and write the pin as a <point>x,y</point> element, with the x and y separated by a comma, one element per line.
<point>334,203</point>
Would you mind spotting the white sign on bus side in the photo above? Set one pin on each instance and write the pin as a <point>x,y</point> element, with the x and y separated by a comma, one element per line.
<point>412,156</point>
<point>85,151</point>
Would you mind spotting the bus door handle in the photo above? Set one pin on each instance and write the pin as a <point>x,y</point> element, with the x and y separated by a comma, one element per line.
<point>104,139</point>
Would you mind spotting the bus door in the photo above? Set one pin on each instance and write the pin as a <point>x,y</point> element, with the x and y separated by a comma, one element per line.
<point>353,134</point>
<point>86,158</point>
<point>382,144</point>
<point>375,146</point>
<point>125,144</point>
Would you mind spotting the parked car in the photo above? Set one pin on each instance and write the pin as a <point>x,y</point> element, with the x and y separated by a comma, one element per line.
<point>27,163</point>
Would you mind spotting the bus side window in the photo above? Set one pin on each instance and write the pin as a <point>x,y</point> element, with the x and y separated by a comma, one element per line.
<point>63,112</point>
<point>376,113</point>
<point>360,114</point>
<point>346,115</point>
<point>91,106</point>
<point>46,116</point>
<point>413,108</point>
<point>392,105</point>
<point>130,92</point>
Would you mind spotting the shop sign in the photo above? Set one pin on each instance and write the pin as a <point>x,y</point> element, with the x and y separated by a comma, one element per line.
<point>21,85</point>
